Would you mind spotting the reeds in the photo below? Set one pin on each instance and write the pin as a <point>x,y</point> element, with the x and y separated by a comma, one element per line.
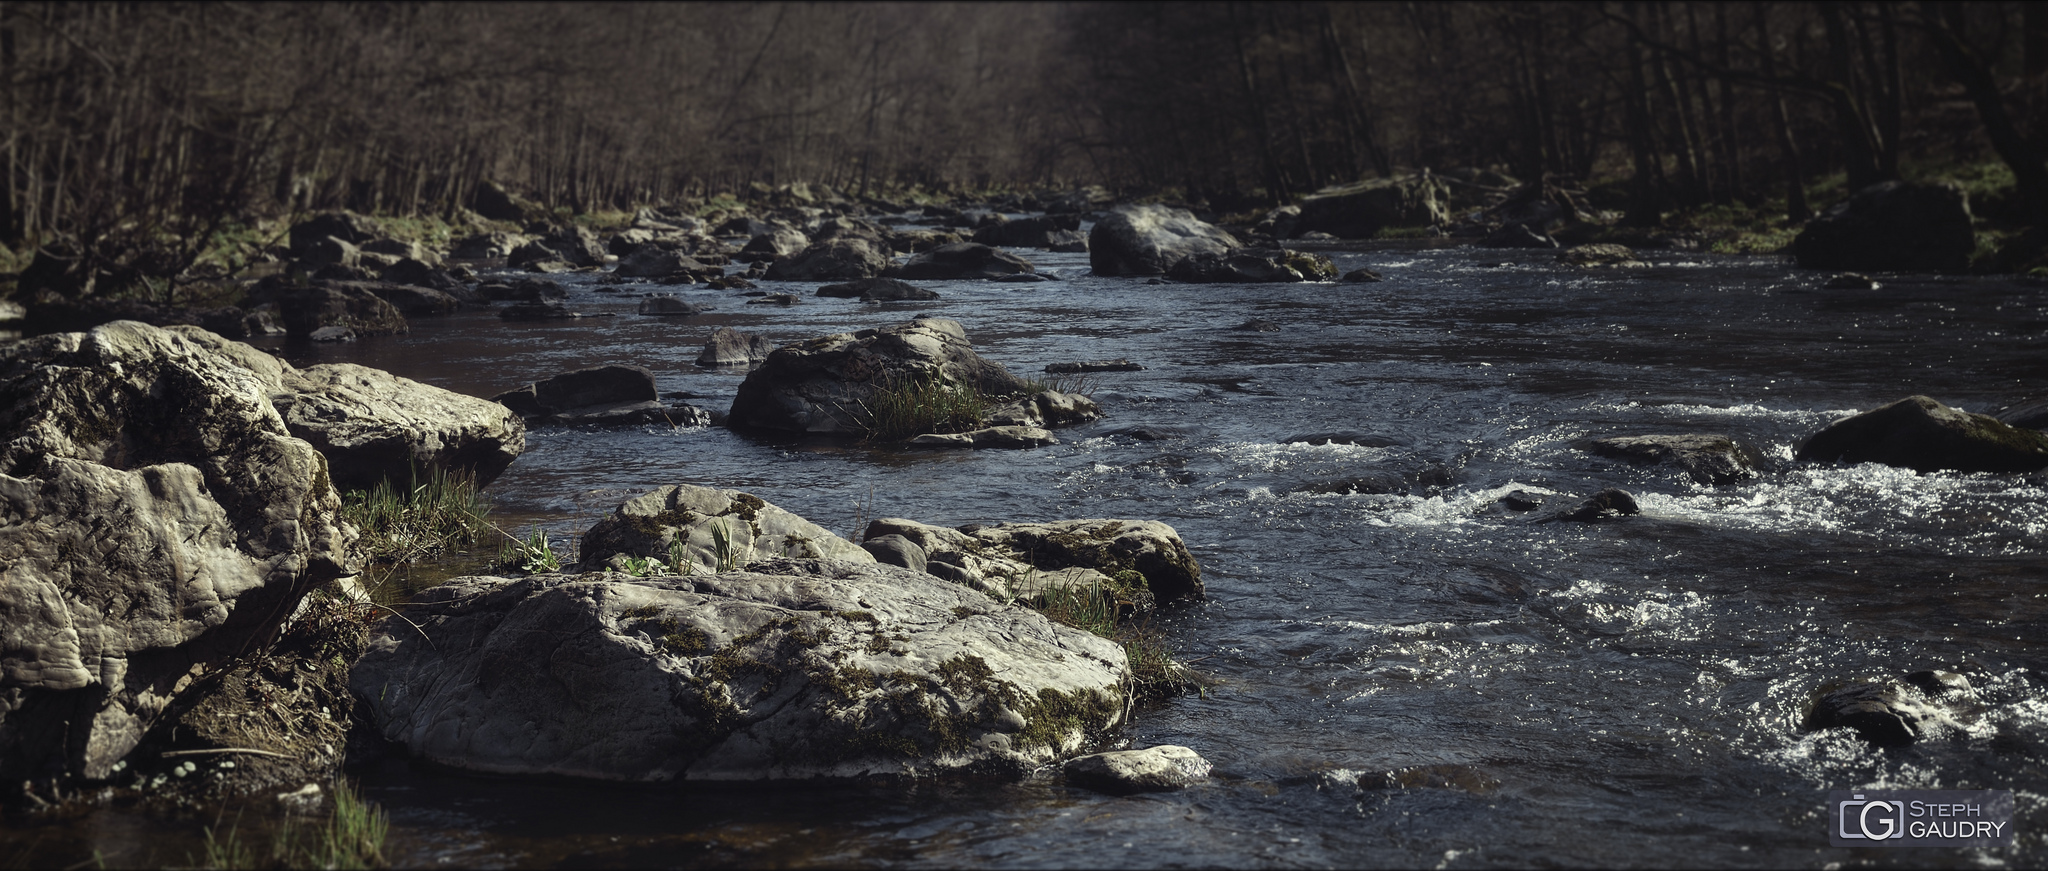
<point>908,407</point>
<point>352,836</point>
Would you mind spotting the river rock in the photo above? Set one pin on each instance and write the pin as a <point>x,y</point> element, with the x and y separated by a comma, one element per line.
<point>818,385</point>
<point>961,260</point>
<point>667,306</point>
<point>1150,239</point>
<point>150,476</point>
<point>1361,276</point>
<point>1894,712</point>
<point>792,669</point>
<point>1600,254</point>
<point>1359,211</point>
<point>1709,459</point>
<point>487,246</point>
<point>306,308</point>
<point>1001,557</point>
<point>844,258</point>
<point>654,261</point>
<point>1604,505</point>
<point>523,290</point>
<point>1046,408</point>
<point>1894,225</point>
<point>373,426</point>
<point>877,290</point>
<point>1254,267</point>
<point>498,203</point>
<point>328,252</point>
<point>1164,768</point>
<point>775,243</point>
<point>1045,231</point>
<point>895,550</point>
<point>1921,434</point>
<point>753,529</point>
<point>347,227</point>
<point>408,299</point>
<point>730,347</point>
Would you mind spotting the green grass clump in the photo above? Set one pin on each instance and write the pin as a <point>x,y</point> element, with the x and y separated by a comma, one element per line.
<point>351,837</point>
<point>909,407</point>
<point>401,525</point>
<point>1099,609</point>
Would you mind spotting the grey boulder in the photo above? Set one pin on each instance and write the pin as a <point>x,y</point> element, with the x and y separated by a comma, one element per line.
<point>149,475</point>
<point>1151,239</point>
<point>794,669</point>
<point>730,347</point>
<point>372,426</point>
<point>818,385</point>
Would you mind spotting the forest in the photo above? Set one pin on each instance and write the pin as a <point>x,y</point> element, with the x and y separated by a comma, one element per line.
<point>144,132</point>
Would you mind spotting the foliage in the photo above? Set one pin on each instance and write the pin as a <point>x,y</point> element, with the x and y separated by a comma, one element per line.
<point>726,556</point>
<point>1098,609</point>
<point>444,510</point>
<point>352,836</point>
<point>532,554</point>
<point>908,407</point>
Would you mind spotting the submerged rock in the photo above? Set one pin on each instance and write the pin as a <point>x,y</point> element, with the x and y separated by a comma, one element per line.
<point>148,474</point>
<point>1604,505</point>
<point>1117,365</point>
<point>1921,434</point>
<point>1709,459</point>
<point>1151,239</point>
<point>1008,436</point>
<point>1894,713</point>
<point>1600,254</point>
<point>1163,768</point>
<point>791,669</point>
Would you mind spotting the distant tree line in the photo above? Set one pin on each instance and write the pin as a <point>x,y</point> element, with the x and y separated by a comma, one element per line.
<point>166,119</point>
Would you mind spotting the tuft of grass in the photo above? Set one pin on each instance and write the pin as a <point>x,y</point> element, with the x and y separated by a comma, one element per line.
<point>445,510</point>
<point>905,408</point>
<point>1156,673</point>
<point>351,837</point>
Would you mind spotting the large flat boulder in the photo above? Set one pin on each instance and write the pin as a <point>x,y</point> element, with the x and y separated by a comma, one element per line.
<point>1921,434</point>
<point>1893,225</point>
<point>791,669</point>
<point>1151,239</point>
<point>374,426</point>
<point>157,519</point>
<point>818,386</point>
<point>711,529</point>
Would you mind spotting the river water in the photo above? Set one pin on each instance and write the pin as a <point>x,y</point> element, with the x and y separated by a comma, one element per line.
<point>1613,694</point>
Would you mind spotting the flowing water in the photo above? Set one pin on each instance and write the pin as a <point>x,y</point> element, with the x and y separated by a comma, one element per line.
<point>1618,693</point>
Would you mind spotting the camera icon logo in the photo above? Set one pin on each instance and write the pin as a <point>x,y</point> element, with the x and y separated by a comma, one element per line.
<point>1873,820</point>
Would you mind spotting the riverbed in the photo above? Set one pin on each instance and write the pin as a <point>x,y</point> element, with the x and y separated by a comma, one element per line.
<point>1621,693</point>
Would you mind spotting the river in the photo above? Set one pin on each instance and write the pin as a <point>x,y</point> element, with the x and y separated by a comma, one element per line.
<point>1621,693</point>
